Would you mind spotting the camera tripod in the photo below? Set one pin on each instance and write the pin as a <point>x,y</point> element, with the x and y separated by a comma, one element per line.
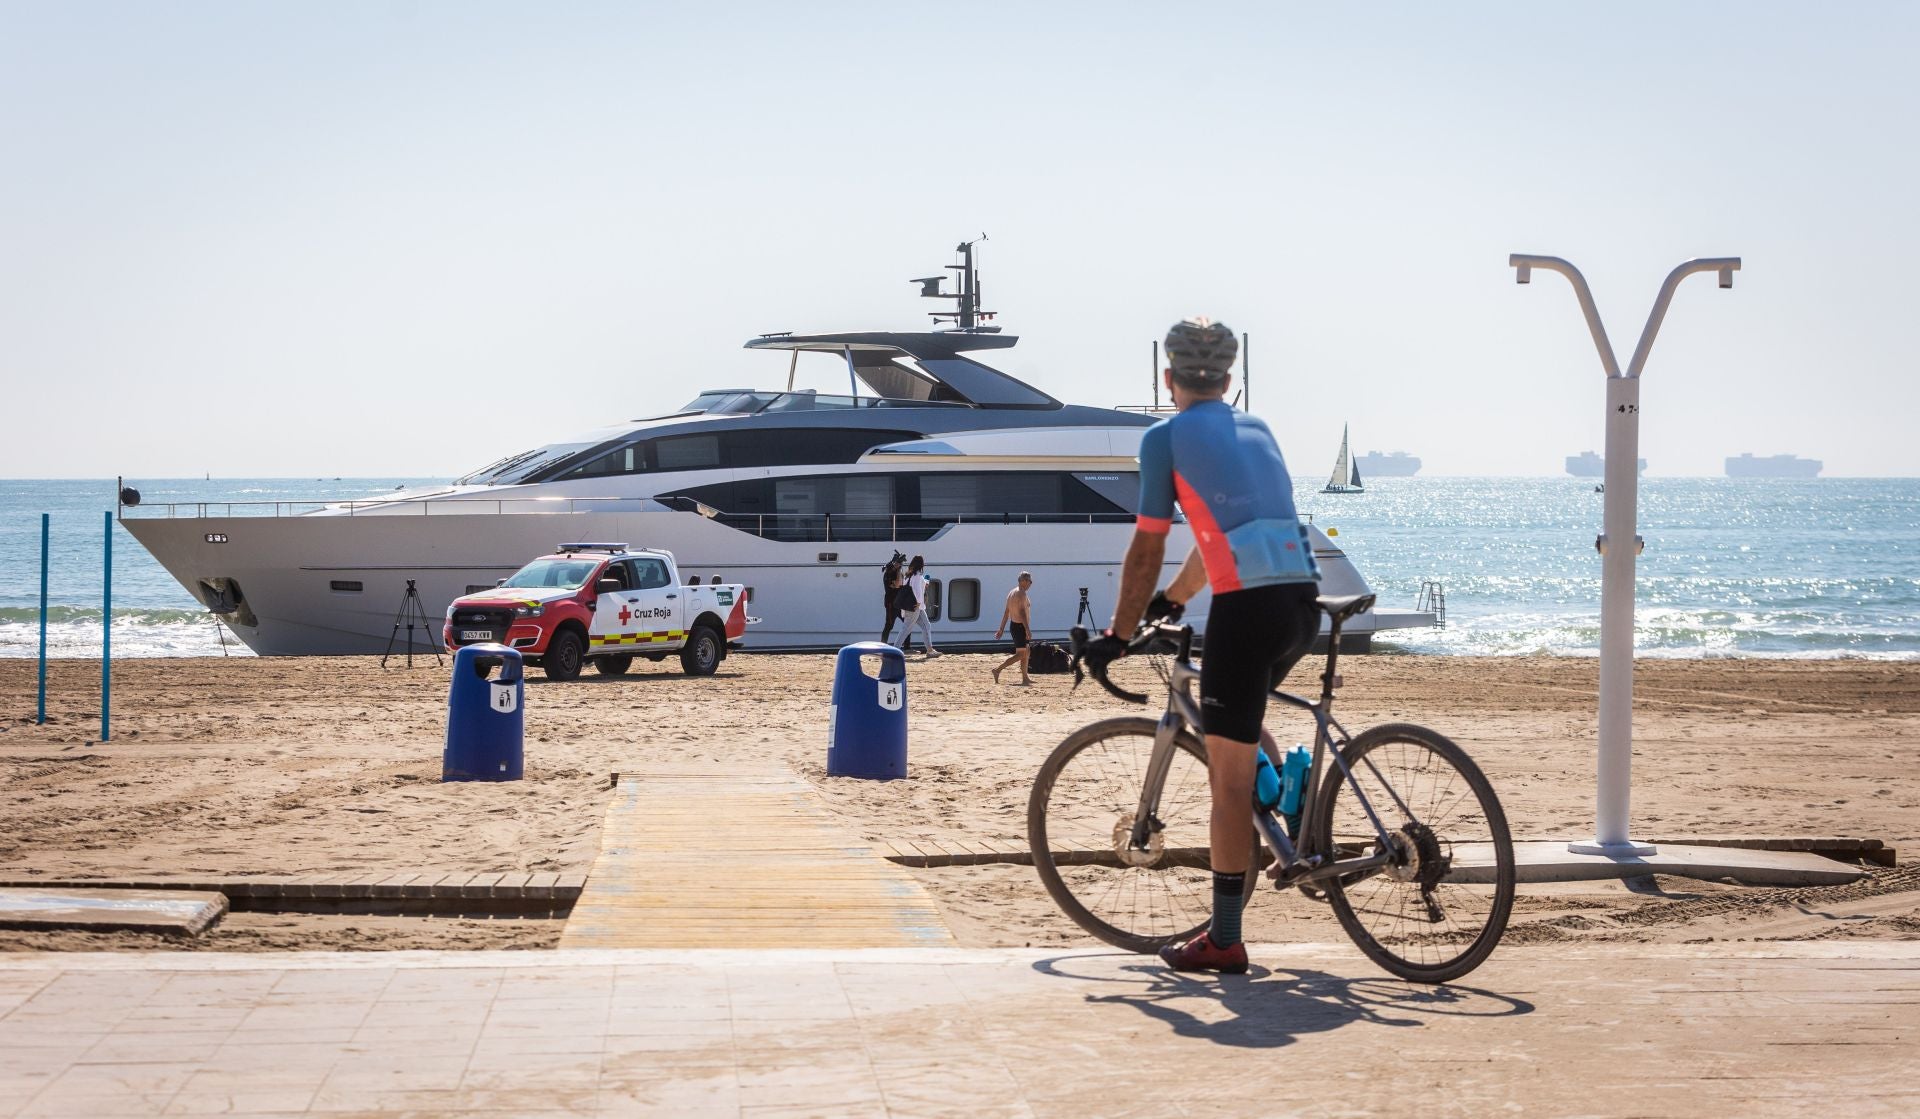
<point>410,614</point>
<point>1084,615</point>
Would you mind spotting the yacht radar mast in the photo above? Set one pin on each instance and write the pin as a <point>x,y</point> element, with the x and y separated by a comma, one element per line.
<point>967,315</point>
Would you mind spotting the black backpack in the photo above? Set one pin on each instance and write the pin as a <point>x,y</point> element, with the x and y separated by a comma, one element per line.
<point>1044,658</point>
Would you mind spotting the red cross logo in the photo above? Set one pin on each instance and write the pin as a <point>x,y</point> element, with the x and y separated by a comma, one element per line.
<point>625,614</point>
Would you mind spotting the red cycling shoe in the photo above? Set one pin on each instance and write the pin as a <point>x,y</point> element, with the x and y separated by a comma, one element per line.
<point>1202,954</point>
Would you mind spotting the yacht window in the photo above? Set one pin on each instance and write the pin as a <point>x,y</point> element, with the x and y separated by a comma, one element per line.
<point>801,495</point>
<point>796,446</point>
<point>966,600</point>
<point>977,495</point>
<point>1122,489</point>
<point>970,380</point>
<point>899,379</point>
<point>687,452</point>
<point>868,497</point>
<point>630,459</point>
<point>933,600</point>
<point>516,468</point>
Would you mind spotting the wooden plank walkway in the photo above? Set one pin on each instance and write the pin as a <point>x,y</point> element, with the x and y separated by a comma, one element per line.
<point>732,856</point>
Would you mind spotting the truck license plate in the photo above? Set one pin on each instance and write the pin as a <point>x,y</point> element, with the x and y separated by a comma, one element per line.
<point>476,635</point>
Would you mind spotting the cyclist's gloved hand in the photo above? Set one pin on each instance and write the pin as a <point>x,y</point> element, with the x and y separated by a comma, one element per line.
<point>1164,609</point>
<point>1104,650</point>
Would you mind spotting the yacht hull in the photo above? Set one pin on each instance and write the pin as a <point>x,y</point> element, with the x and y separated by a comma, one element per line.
<point>335,585</point>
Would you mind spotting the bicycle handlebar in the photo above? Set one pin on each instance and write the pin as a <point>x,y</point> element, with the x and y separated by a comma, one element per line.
<point>1145,638</point>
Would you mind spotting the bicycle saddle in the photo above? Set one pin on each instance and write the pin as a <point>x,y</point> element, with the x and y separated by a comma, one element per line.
<point>1342,607</point>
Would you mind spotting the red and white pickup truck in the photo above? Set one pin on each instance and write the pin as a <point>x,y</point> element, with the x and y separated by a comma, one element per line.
<point>603,603</point>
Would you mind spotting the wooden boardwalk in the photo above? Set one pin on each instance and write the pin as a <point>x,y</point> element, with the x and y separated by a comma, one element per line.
<point>725,856</point>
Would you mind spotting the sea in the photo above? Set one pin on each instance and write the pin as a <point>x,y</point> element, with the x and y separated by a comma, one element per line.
<point>1815,568</point>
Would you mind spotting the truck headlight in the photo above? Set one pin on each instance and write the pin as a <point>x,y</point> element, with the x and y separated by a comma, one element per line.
<point>529,611</point>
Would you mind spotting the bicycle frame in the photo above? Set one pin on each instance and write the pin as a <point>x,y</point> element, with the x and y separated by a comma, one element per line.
<point>1183,712</point>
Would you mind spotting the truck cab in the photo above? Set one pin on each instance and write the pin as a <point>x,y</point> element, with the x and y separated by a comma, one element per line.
<point>605,603</point>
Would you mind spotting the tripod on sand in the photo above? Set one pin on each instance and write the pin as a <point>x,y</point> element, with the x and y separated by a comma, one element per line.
<point>412,613</point>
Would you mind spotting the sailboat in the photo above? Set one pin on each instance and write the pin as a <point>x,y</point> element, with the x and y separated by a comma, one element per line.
<point>1346,472</point>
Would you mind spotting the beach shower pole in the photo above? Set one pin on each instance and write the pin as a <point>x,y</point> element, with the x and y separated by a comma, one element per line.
<point>46,521</point>
<point>1619,544</point>
<point>106,633</point>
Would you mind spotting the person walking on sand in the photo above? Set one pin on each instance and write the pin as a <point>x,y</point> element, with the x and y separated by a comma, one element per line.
<point>914,609</point>
<point>1019,615</point>
<point>891,576</point>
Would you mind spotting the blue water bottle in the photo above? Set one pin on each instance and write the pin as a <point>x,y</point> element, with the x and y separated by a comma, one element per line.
<point>1293,785</point>
<point>1266,783</point>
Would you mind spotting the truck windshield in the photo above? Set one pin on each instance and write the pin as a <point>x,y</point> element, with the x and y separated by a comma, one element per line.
<point>553,574</point>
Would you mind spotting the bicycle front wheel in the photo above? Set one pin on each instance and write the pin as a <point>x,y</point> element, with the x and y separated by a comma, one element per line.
<point>1439,906</point>
<point>1079,818</point>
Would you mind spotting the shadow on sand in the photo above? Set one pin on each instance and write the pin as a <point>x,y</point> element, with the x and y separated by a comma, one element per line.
<point>1268,1008</point>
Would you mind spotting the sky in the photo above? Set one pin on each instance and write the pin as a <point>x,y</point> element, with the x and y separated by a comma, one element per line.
<point>406,239</point>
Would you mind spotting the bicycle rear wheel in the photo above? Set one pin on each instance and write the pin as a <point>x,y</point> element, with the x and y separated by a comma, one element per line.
<point>1078,819</point>
<point>1436,911</point>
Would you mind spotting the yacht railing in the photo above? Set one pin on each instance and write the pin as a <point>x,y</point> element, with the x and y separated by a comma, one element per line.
<point>828,528</point>
<point>426,507</point>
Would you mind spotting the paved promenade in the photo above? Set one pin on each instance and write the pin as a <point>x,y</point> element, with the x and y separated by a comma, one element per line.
<point>1767,1029</point>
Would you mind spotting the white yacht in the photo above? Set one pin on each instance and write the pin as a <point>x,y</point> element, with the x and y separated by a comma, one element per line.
<point>800,495</point>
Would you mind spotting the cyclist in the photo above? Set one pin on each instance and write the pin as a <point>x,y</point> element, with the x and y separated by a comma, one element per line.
<point>1226,471</point>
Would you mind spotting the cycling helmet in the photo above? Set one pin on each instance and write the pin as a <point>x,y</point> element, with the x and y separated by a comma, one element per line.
<point>1200,351</point>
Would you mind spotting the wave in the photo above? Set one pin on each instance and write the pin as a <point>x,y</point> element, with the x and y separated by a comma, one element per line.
<point>136,634</point>
<point>137,615</point>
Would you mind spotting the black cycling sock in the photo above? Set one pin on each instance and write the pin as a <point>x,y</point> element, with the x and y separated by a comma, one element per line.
<point>1228,892</point>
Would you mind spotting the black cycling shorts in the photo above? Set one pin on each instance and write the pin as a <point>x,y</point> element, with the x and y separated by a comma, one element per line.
<point>1254,638</point>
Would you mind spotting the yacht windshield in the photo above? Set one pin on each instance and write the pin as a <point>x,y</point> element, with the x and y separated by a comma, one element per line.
<point>514,468</point>
<point>553,574</point>
<point>729,402</point>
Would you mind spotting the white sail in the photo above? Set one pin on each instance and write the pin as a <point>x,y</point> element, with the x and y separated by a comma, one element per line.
<point>1343,465</point>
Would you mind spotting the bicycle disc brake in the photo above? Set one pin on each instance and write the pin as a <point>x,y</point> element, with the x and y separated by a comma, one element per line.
<point>1127,853</point>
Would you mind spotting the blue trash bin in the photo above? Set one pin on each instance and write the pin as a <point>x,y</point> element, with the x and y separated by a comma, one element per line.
<point>486,717</point>
<point>867,731</point>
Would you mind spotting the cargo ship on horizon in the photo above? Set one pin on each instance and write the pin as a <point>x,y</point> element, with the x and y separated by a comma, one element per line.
<point>1587,464</point>
<point>1393,464</point>
<point>1747,465</point>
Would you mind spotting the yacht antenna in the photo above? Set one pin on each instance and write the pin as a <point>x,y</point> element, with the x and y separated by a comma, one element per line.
<point>967,315</point>
<point>1156,374</point>
<point>1246,369</point>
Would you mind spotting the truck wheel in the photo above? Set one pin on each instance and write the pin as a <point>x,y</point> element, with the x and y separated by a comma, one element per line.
<point>701,654</point>
<point>615,665</point>
<point>563,656</point>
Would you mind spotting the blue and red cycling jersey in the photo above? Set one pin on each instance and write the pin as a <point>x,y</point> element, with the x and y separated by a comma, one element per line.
<point>1226,471</point>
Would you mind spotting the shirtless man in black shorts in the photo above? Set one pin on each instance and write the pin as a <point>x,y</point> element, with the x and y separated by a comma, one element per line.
<point>1019,615</point>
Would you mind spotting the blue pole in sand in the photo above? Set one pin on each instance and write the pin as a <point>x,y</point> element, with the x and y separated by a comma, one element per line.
<point>45,522</point>
<point>106,634</point>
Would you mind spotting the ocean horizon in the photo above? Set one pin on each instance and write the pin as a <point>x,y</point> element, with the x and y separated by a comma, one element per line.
<point>1800,568</point>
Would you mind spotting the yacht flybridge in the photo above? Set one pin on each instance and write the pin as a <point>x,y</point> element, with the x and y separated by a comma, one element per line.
<point>800,495</point>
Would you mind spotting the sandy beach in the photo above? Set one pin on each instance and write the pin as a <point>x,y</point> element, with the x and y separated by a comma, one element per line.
<point>303,766</point>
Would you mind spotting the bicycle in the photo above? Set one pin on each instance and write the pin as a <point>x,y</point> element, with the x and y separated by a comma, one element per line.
<point>1424,894</point>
